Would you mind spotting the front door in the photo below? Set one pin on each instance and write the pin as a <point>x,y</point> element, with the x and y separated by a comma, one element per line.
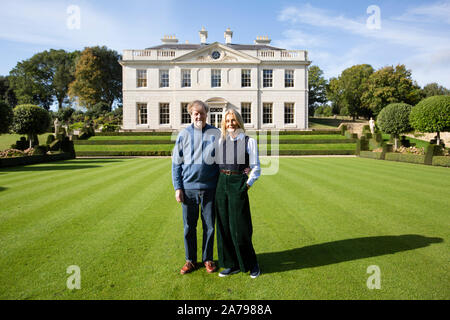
<point>216,117</point>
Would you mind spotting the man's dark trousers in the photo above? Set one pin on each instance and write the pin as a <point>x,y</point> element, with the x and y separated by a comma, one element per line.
<point>193,199</point>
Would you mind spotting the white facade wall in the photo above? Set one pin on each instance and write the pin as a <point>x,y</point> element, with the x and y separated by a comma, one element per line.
<point>230,89</point>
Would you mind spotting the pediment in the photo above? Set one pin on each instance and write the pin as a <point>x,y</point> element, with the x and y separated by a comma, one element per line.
<point>216,53</point>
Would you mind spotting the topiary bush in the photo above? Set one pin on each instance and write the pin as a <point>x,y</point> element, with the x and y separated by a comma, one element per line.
<point>31,120</point>
<point>394,119</point>
<point>432,114</point>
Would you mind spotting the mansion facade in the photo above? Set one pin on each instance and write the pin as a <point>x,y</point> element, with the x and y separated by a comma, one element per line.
<point>267,85</point>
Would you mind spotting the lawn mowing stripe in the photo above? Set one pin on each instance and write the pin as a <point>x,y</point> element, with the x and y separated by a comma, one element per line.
<point>65,175</point>
<point>130,243</point>
<point>405,183</point>
<point>16,207</point>
<point>106,222</point>
<point>40,172</point>
<point>380,229</point>
<point>88,188</point>
<point>389,194</point>
<point>434,172</point>
<point>159,264</point>
<point>276,185</point>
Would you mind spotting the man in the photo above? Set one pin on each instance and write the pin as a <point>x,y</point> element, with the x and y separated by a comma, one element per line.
<point>194,178</point>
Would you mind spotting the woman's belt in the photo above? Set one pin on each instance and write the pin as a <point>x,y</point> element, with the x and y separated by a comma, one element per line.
<point>230,172</point>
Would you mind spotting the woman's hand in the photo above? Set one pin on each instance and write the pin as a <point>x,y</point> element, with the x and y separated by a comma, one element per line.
<point>179,195</point>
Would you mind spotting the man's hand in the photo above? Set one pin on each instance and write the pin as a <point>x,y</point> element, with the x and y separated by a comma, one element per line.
<point>179,195</point>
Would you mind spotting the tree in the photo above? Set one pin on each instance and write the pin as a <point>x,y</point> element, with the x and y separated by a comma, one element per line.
<point>30,83</point>
<point>432,114</point>
<point>63,72</point>
<point>44,78</point>
<point>394,119</point>
<point>98,77</point>
<point>334,94</point>
<point>317,88</point>
<point>7,93</point>
<point>352,82</point>
<point>31,120</point>
<point>434,89</point>
<point>389,85</point>
<point>6,117</point>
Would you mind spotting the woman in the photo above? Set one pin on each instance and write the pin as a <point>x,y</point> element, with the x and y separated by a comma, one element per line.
<point>234,225</point>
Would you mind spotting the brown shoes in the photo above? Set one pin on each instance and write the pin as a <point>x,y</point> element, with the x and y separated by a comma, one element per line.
<point>188,267</point>
<point>210,266</point>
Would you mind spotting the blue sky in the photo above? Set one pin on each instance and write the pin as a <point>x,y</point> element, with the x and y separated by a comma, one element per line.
<point>335,33</point>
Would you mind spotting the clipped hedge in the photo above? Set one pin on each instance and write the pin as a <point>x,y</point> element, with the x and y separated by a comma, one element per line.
<point>123,153</point>
<point>21,161</point>
<point>371,155</point>
<point>313,152</point>
<point>169,153</point>
<point>121,142</point>
<point>441,161</point>
<point>403,157</point>
<point>153,133</point>
<point>313,132</point>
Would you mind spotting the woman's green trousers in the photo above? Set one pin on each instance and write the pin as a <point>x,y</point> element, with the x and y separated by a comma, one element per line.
<point>234,223</point>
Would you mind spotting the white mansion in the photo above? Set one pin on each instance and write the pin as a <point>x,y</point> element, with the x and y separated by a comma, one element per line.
<point>267,85</point>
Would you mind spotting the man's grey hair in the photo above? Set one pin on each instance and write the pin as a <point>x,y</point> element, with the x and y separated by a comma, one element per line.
<point>197,103</point>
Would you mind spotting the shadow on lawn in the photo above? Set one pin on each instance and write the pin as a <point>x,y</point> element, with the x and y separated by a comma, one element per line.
<point>3,188</point>
<point>340,251</point>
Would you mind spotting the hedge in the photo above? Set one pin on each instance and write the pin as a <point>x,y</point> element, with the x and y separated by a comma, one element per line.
<point>371,155</point>
<point>168,153</point>
<point>403,157</point>
<point>121,142</point>
<point>156,133</point>
<point>314,152</point>
<point>21,161</point>
<point>123,153</point>
<point>441,161</point>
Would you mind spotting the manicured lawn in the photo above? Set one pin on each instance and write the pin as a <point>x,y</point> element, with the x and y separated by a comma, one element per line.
<point>318,224</point>
<point>6,140</point>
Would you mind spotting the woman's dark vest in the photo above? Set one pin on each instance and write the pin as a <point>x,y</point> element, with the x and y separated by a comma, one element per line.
<point>241,158</point>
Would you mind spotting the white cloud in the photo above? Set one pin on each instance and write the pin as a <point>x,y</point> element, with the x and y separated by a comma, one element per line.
<point>431,13</point>
<point>424,49</point>
<point>44,23</point>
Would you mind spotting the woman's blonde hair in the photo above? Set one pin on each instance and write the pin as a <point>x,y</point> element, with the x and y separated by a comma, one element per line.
<point>237,116</point>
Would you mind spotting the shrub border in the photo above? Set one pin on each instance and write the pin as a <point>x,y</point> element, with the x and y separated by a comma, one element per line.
<point>21,161</point>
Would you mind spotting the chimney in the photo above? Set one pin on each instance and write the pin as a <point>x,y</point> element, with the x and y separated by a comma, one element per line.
<point>169,39</point>
<point>203,35</point>
<point>228,35</point>
<point>262,40</point>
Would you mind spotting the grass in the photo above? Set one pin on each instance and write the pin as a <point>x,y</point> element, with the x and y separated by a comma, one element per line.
<point>329,122</point>
<point>318,224</point>
<point>6,140</point>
